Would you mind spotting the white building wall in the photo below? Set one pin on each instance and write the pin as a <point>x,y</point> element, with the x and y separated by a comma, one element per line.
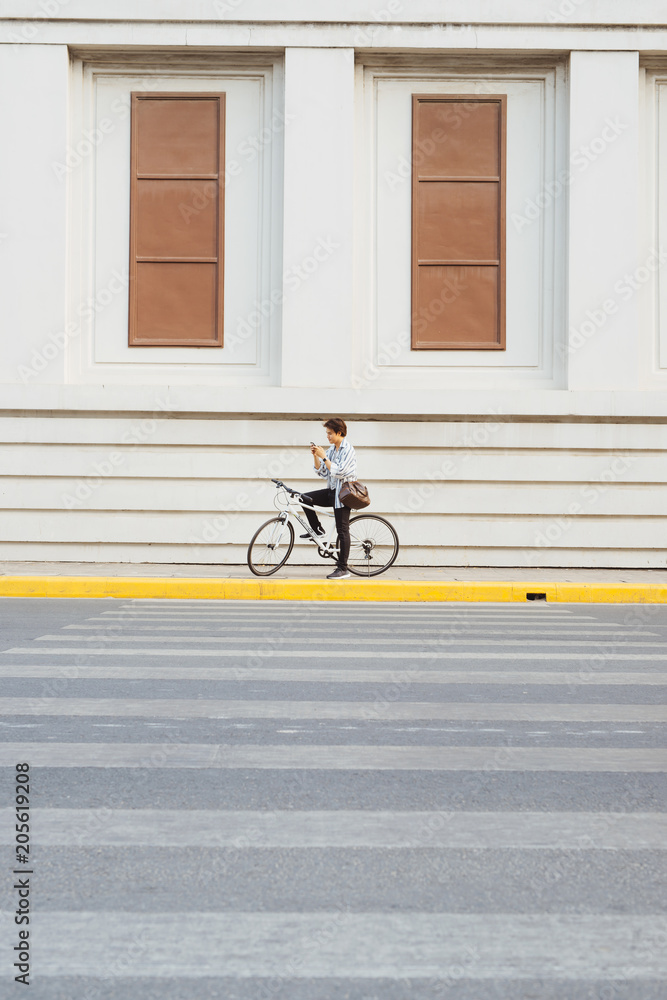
<point>459,493</point>
<point>548,454</point>
<point>318,246</point>
<point>33,227</point>
<point>604,220</point>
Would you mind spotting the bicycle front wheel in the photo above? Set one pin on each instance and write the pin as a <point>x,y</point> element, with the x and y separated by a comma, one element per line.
<point>270,547</point>
<point>373,545</point>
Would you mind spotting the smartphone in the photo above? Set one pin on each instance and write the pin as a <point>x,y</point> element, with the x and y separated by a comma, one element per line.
<point>312,444</point>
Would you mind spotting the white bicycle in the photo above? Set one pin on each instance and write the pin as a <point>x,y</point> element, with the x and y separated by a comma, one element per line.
<point>373,540</point>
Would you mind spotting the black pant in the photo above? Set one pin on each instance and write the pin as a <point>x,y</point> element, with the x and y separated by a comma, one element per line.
<point>327,498</point>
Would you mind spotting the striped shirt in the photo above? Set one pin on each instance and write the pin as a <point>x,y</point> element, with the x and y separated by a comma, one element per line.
<point>343,468</point>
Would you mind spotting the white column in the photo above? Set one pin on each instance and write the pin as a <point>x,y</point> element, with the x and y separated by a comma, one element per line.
<point>604,307</point>
<point>33,224</point>
<point>318,217</point>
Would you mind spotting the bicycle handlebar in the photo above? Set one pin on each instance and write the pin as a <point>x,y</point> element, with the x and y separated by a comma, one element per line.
<point>279,482</point>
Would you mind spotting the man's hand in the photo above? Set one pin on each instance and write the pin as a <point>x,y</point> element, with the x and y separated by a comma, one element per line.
<point>320,452</point>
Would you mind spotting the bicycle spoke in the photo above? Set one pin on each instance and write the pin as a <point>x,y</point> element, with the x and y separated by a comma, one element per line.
<point>268,551</point>
<point>373,545</point>
<point>270,547</point>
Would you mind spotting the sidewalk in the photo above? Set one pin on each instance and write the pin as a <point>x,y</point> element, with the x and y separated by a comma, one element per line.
<point>309,583</point>
<point>319,572</point>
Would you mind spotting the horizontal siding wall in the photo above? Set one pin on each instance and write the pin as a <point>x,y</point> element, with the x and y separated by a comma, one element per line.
<point>114,489</point>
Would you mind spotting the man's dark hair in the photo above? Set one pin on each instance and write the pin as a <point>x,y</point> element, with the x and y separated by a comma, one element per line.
<point>337,425</point>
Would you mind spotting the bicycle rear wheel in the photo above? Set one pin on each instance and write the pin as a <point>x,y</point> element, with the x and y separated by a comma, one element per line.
<point>373,545</point>
<point>270,547</point>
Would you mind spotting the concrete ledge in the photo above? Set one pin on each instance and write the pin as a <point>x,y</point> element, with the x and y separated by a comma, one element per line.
<point>319,590</point>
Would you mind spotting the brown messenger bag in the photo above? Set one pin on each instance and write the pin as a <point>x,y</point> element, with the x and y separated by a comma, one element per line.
<point>354,495</point>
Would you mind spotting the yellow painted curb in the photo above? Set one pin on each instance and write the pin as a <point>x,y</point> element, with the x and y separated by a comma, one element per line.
<point>323,590</point>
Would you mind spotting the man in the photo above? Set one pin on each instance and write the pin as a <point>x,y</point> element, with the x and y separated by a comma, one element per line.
<point>337,464</point>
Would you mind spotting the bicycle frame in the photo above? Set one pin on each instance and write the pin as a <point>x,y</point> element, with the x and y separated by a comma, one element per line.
<point>326,547</point>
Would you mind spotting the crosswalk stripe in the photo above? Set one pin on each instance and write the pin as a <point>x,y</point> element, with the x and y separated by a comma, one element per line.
<point>349,675</point>
<point>343,828</point>
<point>341,944</point>
<point>316,653</point>
<point>250,605</point>
<point>366,609</point>
<point>448,641</point>
<point>366,630</point>
<point>330,757</point>
<point>334,615</point>
<point>181,708</point>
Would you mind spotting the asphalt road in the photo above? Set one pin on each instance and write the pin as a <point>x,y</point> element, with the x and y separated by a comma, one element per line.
<point>274,801</point>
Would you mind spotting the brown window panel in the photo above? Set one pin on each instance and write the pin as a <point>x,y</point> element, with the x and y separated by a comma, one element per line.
<point>177,220</point>
<point>458,222</point>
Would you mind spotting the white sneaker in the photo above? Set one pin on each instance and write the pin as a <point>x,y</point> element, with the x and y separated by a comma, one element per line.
<point>339,574</point>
